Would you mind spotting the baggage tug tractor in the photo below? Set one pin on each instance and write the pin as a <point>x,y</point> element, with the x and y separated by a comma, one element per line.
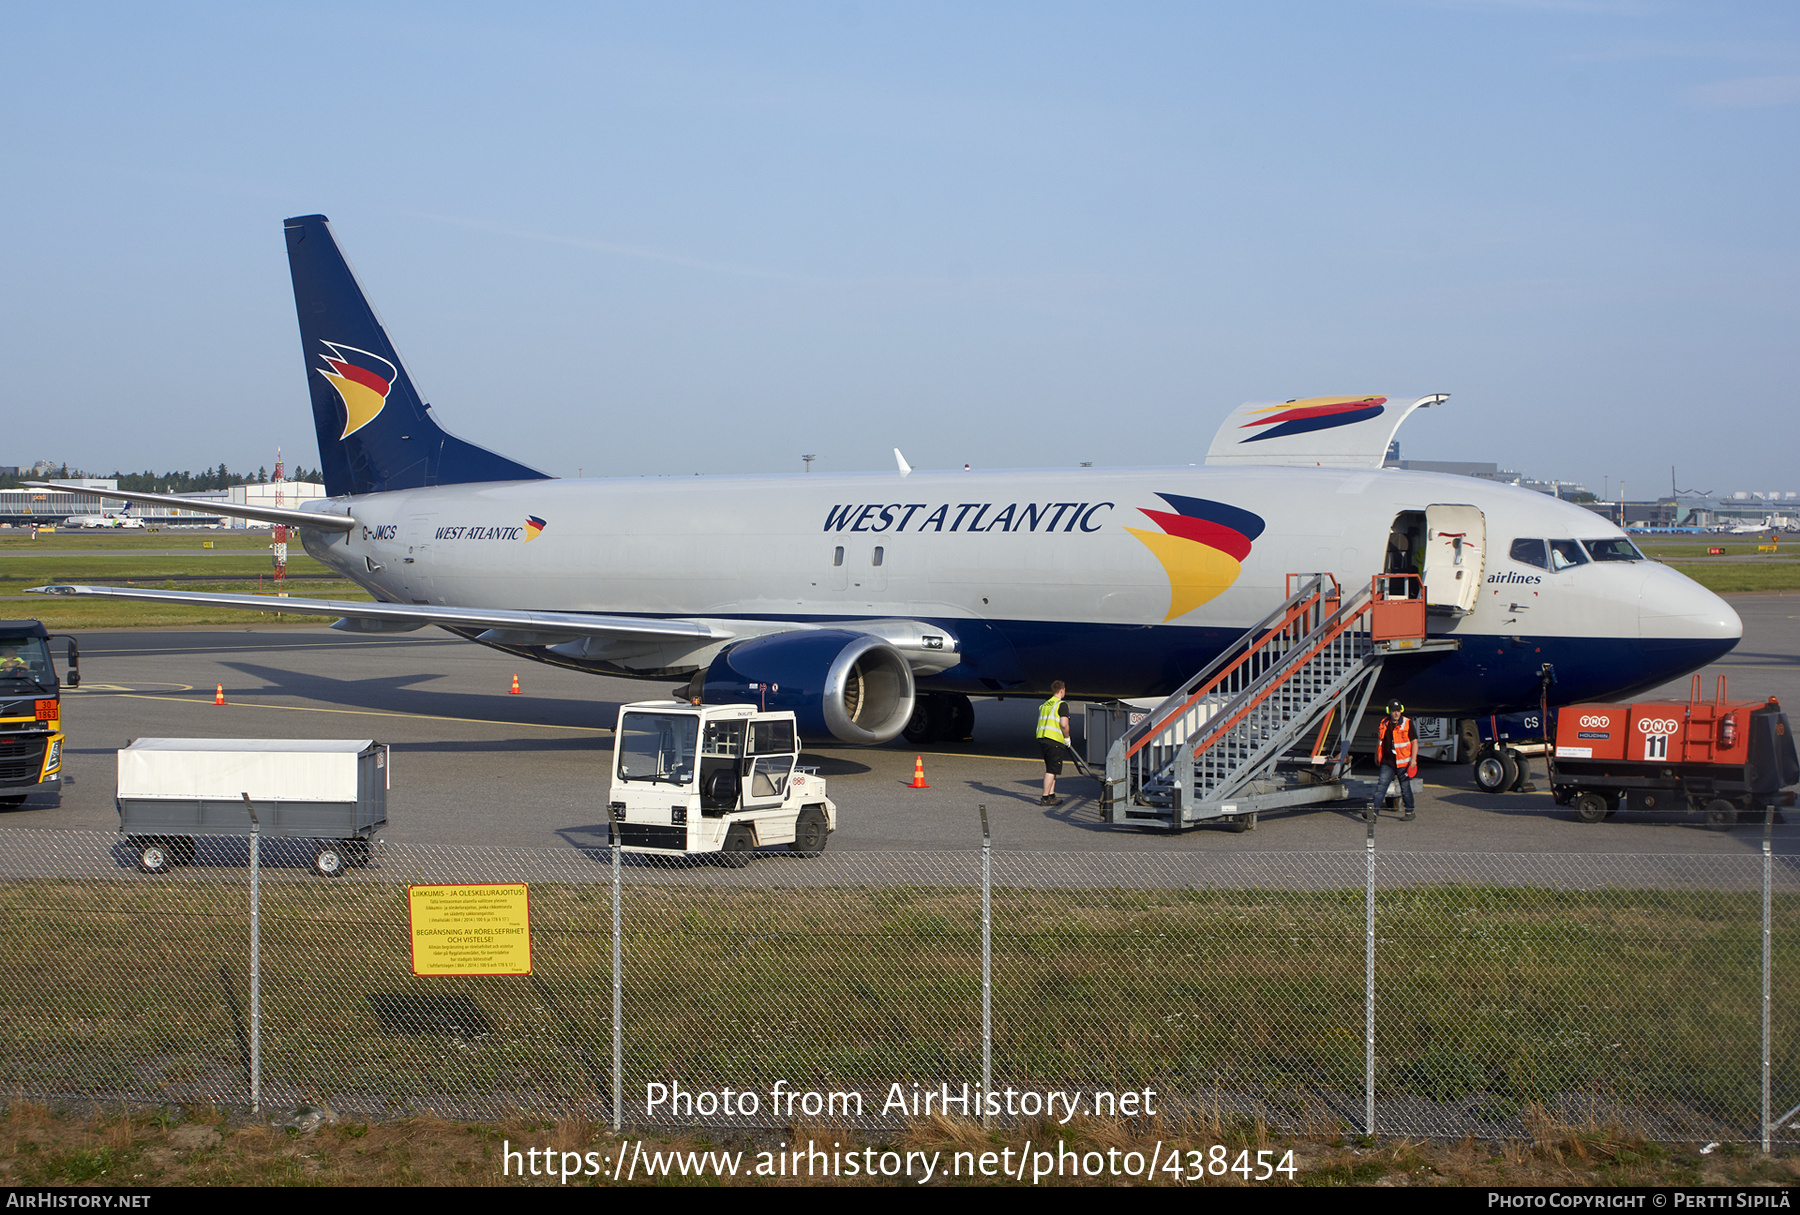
<point>1716,757</point>
<point>720,779</point>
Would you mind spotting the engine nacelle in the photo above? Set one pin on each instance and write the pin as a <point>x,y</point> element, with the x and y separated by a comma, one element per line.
<point>838,684</point>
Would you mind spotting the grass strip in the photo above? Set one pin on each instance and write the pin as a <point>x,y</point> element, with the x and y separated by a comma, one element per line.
<point>1494,999</point>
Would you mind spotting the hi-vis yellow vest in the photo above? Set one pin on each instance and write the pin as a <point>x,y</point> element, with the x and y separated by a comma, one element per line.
<point>1050,720</point>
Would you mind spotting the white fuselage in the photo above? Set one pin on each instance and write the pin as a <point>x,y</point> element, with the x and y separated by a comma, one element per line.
<point>1034,570</point>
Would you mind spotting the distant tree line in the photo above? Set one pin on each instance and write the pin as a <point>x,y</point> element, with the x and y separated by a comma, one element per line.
<point>207,478</point>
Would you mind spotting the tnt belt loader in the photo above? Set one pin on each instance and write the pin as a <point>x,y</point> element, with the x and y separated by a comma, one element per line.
<point>1717,757</point>
<point>720,779</point>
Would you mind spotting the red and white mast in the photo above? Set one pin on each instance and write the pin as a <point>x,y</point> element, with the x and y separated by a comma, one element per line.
<point>281,530</point>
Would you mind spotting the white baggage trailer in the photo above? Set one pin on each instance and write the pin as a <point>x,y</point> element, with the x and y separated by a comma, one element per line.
<point>332,791</point>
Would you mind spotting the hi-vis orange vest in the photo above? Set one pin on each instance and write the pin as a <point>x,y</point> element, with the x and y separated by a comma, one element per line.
<point>1404,745</point>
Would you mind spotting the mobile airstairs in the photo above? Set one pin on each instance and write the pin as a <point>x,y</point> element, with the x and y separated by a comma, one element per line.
<point>1269,723</point>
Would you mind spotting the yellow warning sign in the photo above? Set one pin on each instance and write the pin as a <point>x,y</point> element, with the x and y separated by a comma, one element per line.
<point>479,929</point>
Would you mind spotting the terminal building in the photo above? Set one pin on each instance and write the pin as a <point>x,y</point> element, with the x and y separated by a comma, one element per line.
<point>54,507</point>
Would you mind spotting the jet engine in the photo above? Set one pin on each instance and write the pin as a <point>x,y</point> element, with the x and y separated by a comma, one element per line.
<point>843,685</point>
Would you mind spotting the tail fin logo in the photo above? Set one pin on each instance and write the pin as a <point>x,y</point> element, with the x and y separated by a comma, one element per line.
<point>533,525</point>
<point>1313,413</point>
<point>362,381</point>
<point>1202,546</point>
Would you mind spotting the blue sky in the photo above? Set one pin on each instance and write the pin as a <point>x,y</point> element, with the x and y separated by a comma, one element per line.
<point>676,238</point>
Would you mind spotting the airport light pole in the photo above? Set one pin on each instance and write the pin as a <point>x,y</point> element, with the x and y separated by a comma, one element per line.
<point>809,460</point>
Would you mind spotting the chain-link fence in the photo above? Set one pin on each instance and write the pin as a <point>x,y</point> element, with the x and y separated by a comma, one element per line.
<point>1619,990</point>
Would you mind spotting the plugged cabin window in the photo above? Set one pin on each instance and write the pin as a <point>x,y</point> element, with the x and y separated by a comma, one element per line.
<point>1616,549</point>
<point>838,557</point>
<point>1566,553</point>
<point>879,553</point>
<point>1531,552</point>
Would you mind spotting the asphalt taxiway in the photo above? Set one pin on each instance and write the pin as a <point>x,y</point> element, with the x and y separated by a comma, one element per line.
<point>475,765</point>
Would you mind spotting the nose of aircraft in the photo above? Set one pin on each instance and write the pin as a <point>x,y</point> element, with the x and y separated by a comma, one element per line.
<point>1683,625</point>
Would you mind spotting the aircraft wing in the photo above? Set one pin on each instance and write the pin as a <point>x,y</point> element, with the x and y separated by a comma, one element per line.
<point>1316,432</point>
<point>238,510</point>
<point>531,628</point>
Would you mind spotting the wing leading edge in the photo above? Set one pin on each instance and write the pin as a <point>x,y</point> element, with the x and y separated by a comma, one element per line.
<point>237,510</point>
<point>551,626</point>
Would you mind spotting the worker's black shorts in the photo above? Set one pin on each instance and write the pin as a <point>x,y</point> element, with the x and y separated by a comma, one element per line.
<point>1053,755</point>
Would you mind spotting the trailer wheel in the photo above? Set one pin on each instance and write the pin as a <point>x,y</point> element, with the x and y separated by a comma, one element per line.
<point>328,861</point>
<point>809,833</point>
<point>1721,815</point>
<point>1495,771</point>
<point>1237,824</point>
<point>735,853</point>
<point>153,856</point>
<point>1589,807</point>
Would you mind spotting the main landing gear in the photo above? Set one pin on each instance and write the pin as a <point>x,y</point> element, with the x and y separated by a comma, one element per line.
<point>940,717</point>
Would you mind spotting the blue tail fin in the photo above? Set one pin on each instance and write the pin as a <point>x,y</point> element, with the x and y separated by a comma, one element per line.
<point>374,432</point>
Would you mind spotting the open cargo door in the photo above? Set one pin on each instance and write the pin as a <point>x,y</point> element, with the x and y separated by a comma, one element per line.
<point>1455,554</point>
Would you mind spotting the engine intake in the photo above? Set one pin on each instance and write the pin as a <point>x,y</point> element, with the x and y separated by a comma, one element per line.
<point>843,685</point>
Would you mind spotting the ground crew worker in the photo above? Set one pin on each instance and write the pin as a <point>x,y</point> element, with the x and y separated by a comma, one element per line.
<point>1053,741</point>
<point>1397,754</point>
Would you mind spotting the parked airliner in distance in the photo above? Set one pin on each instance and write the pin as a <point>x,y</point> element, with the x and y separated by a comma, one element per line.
<point>113,521</point>
<point>876,603</point>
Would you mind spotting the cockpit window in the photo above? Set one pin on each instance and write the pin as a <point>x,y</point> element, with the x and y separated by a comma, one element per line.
<point>1566,553</point>
<point>1531,552</point>
<point>1616,549</point>
<point>25,660</point>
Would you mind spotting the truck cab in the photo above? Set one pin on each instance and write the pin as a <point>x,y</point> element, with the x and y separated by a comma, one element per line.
<point>721,779</point>
<point>31,738</point>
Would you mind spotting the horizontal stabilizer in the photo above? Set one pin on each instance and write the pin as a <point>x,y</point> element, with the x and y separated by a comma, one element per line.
<point>1314,432</point>
<point>235,510</point>
<point>568,625</point>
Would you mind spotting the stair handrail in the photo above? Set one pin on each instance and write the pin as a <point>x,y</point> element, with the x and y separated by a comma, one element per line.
<point>1305,649</point>
<point>1196,688</point>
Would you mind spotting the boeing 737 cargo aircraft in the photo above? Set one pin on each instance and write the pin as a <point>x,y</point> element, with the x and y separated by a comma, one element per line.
<point>878,602</point>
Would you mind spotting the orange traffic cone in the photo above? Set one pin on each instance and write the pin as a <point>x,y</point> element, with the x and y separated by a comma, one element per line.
<point>219,696</point>
<point>919,774</point>
<point>515,687</point>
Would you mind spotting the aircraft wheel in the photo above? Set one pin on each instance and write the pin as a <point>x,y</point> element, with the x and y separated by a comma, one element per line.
<point>735,853</point>
<point>328,861</point>
<point>930,719</point>
<point>809,833</point>
<point>1589,807</point>
<point>1521,768</point>
<point>153,856</point>
<point>1495,771</point>
<point>962,718</point>
<point>1721,815</point>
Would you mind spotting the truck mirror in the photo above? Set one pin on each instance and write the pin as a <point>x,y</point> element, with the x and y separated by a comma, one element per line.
<point>74,680</point>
